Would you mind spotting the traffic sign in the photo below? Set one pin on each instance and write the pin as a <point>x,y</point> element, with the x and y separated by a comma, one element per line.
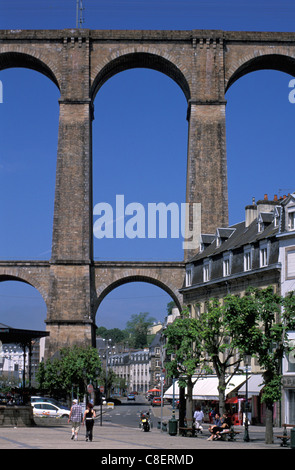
<point>90,388</point>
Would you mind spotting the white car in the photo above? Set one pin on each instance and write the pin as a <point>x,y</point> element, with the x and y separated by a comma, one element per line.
<point>41,409</point>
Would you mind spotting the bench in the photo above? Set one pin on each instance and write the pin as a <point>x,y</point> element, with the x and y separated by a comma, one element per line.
<point>284,437</point>
<point>229,434</point>
<point>187,432</point>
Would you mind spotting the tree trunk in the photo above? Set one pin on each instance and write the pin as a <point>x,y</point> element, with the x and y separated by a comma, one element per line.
<point>181,406</point>
<point>269,424</point>
<point>189,402</point>
<point>221,393</point>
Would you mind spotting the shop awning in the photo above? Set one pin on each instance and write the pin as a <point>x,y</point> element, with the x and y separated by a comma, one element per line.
<point>206,388</point>
<point>255,385</point>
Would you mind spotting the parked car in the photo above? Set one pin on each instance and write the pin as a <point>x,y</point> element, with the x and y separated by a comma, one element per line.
<point>130,396</point>
<point>157,401</point>
<point>48,400</point>
<point>42,409</point>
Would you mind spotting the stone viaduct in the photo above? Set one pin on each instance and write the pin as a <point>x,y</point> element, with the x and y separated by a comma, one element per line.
<point>204,63</point>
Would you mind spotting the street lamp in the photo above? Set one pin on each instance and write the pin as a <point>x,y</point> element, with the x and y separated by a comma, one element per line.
<point>162,377</point>
<point>107,357</point>
<point>247,363</point>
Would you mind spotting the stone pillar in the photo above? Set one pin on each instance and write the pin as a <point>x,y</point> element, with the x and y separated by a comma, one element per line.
<point>69,317</point>
<point>207,166</point>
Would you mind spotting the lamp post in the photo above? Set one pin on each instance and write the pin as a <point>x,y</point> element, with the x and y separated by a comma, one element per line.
<point>162,377</point>
<point>107,358</point>
<point>247,362</point>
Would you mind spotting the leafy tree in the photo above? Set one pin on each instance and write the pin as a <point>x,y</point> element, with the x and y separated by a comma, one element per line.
<point>183,342</point>
<point>137,328</point>
<point>74,366</point>
<point>270,317</point>
<point>115,334</point>
<point>218,331</point>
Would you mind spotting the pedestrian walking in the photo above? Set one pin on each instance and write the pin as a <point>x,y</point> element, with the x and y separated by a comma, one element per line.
<point>198,417</point>
<point>76,417</point>
<point>88,419</point>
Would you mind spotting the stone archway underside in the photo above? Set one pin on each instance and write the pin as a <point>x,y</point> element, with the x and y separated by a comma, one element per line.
<point>204,63</point>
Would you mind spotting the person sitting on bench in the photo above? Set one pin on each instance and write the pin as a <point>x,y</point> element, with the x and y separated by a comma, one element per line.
<point>216,430</point>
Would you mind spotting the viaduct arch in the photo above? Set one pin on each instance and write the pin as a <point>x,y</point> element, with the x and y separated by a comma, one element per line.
<point>204,63</point>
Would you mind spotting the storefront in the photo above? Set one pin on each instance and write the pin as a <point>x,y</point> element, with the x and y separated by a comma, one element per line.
<point>255,385</point>
<point>205,391</point>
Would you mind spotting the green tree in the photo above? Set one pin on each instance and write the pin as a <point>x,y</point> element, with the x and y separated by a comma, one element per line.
<point>115,334</point>
<point>183,343</point>
<point>270,317</point>
<point>218,331</point>
<point>75,366</point>
<point>137,328</point>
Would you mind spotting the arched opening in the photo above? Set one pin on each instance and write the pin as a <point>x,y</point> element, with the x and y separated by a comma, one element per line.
<point>135,355</point>
<point>21,306</point>
<point>143,280</point>
<point>123,301</point>
<point>259,132</point>
<point>140,153</point>
<point>141,60</point>
<point>16,59</point>
<point>28,142</point>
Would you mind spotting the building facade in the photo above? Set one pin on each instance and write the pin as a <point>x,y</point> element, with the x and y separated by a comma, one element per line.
<point>258,252</point>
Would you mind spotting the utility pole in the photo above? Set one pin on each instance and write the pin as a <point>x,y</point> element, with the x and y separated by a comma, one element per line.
<point>79,13</point>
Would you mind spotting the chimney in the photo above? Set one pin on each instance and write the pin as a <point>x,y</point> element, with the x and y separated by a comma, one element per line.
<point>265,205</point>
<point>250,213</point>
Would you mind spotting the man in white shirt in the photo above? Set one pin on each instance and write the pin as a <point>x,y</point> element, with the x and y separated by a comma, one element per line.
<point>198,417</point>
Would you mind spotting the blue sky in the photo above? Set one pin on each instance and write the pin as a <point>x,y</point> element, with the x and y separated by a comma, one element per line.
<point>259,117</point>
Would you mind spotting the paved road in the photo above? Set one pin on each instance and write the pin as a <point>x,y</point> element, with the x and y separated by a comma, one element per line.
<point>123,438</point>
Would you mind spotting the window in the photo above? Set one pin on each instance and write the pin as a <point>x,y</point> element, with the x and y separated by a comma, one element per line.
<point>263,254</point>
<point>290,263</point>
<point>291,220</point>
<point>226,267</point>
<point>189,276</point>
<point>206,271</point>
<point>227,264</point>
<point>247,259</point>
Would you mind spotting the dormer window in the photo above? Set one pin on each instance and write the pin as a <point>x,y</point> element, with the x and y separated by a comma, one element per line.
<point>276,217</point>
<point>206,240</point>
<point>291,219</point>
<point>264,219</point>
<point>222,234</point>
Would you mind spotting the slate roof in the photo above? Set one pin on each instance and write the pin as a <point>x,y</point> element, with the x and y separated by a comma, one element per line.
<point>240,236</point>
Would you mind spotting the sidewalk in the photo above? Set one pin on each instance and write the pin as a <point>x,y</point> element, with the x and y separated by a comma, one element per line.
<point>111,436</point>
